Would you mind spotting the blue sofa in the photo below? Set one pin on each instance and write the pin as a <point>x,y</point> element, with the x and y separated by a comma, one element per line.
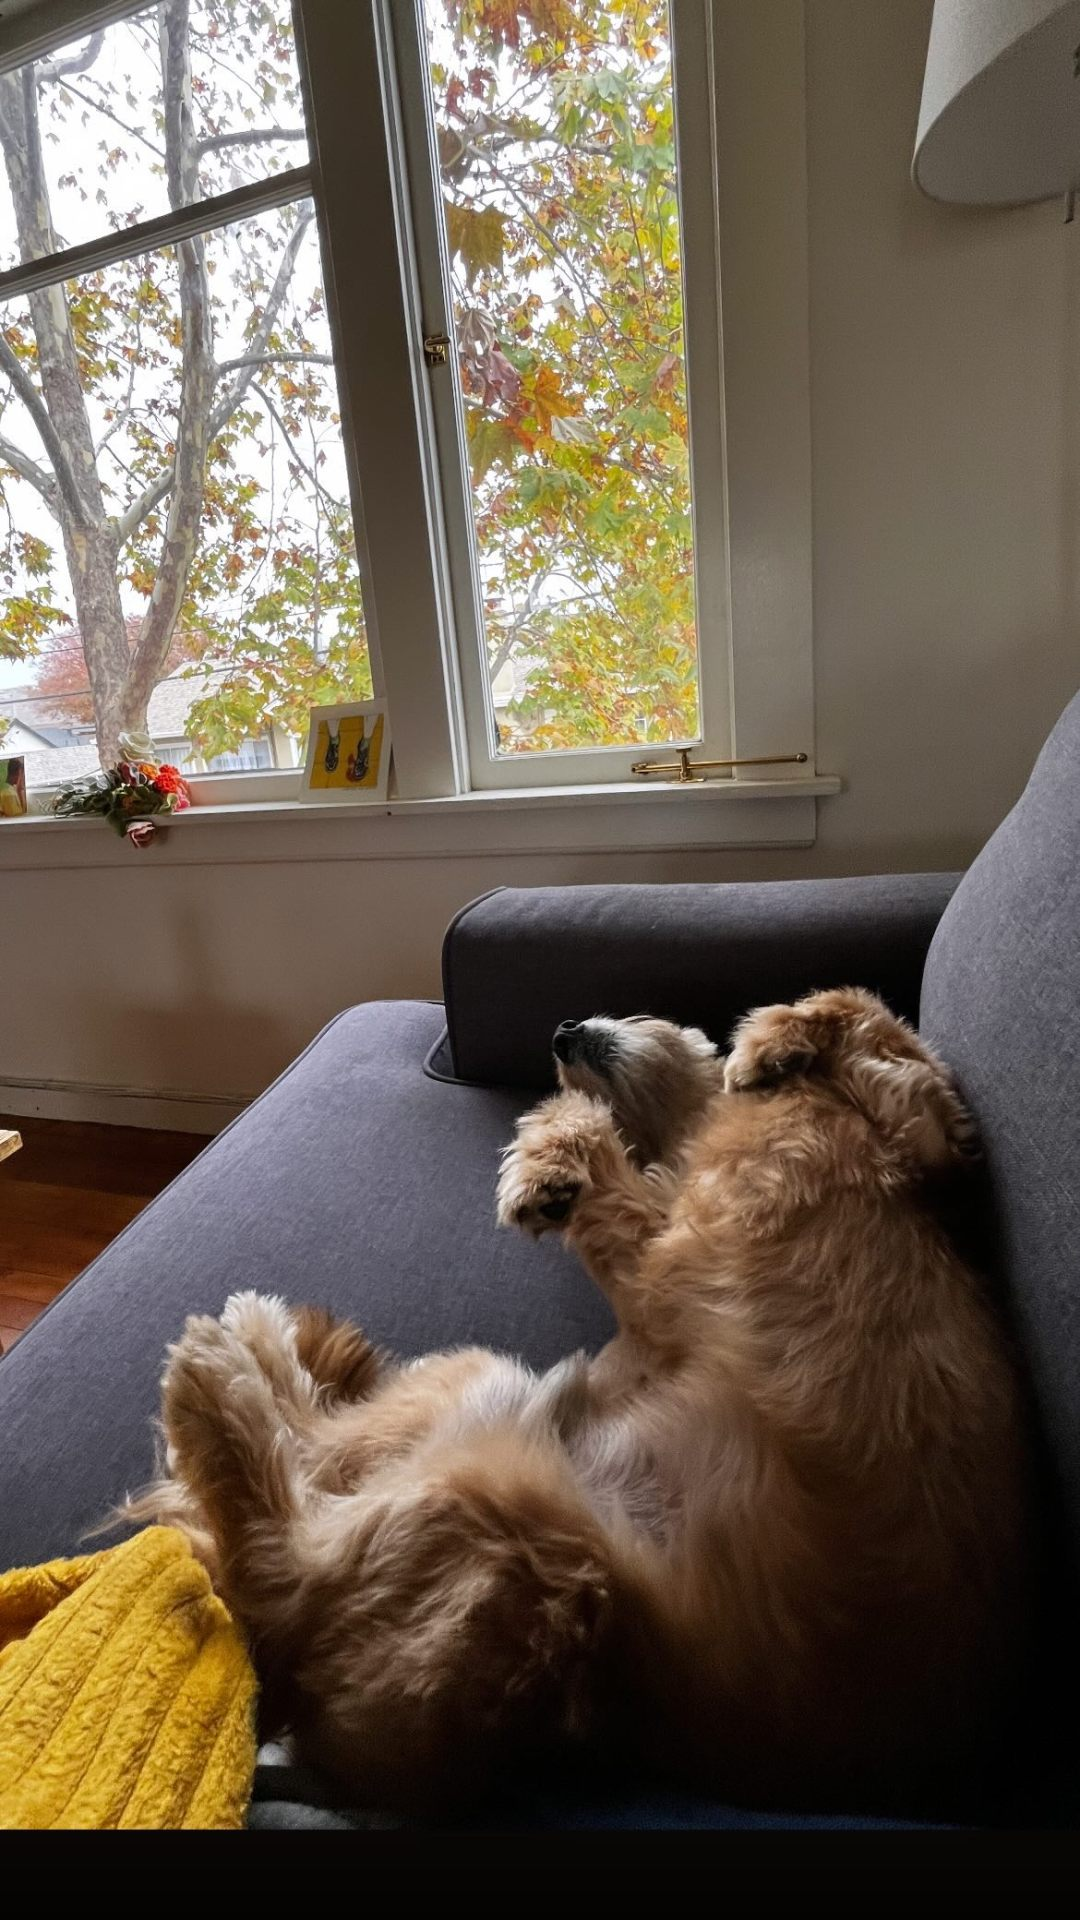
<point>363,1179</point>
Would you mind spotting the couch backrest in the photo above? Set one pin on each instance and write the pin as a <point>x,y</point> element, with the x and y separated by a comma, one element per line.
<point>518,961</point>
<point>1001,1000</point>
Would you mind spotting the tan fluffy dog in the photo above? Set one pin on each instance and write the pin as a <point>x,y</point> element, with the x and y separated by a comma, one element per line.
<point>772,1535</point>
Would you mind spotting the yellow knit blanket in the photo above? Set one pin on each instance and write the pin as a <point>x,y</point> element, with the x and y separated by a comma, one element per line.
<point>126,1694</point>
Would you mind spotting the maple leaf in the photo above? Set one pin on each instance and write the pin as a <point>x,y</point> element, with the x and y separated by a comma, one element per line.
<point>547,399</point>
<point>478,235</point>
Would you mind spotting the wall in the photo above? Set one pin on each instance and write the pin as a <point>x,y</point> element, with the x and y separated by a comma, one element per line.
<point>945,395</point>
<point>945,355</point>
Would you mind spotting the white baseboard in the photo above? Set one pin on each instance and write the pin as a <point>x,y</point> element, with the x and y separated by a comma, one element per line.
<point>168,1110</point>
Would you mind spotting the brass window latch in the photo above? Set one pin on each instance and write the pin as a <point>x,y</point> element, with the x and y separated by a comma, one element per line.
<point>692,772</point>
<point>437,349</point>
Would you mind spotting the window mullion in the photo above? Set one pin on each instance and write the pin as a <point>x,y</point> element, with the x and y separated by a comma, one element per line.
<point>147,236</point>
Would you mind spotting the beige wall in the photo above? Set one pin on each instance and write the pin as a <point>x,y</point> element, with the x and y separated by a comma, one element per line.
<point>945,352</point>
<point>945,356</point>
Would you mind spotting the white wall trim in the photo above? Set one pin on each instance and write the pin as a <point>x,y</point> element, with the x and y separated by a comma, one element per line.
<point>638,819</point>
<point>168,1111</point>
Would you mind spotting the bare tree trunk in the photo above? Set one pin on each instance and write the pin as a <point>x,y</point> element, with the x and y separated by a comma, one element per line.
<point>88,534</point>
<point>121,683</point>
<point>193,427</point>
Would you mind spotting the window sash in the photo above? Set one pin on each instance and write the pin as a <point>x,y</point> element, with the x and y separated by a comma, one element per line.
<point>692,63</point>
<point>32,34</point>
<point>353,117</point>
<point>752,511</point>
<point>30,29</point>
<point>149,236</point>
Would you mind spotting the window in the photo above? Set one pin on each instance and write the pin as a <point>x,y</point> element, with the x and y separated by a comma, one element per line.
<point>250,757</point>
<point>175,493</point>
<point>378,349</point>
<point>557,259</point>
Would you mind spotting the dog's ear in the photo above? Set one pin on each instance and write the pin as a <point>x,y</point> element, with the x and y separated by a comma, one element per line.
<point>914,1105</point>
<point>770,1044</point>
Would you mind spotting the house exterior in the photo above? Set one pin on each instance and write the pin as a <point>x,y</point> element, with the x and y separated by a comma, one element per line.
<point>23,738</point>
<point>56,748</point>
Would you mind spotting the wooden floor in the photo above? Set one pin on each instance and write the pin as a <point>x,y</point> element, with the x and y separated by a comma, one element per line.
<point>65,1196</point>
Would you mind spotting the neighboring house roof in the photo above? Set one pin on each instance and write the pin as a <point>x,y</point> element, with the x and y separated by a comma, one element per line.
<point>20,737</point>
<point>54,764</point>
<point>57,736</point>
<point>68,753</point>
<point>173,699</point>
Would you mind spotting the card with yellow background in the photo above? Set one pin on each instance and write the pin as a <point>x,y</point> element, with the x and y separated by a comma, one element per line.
<point>348,753</point>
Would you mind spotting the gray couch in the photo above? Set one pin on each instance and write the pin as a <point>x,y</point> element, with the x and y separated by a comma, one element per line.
<point>364,1178</point>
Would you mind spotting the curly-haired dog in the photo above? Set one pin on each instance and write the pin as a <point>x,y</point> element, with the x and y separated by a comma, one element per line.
<point>772,1534</point>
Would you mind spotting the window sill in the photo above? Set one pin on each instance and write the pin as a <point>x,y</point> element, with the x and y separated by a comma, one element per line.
<point>624,819</point>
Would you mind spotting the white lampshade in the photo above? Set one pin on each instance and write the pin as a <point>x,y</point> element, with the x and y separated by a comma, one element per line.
<point>1000,118</point>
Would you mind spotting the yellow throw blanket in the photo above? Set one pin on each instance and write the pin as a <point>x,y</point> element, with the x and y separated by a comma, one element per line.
<point>126,1694</point>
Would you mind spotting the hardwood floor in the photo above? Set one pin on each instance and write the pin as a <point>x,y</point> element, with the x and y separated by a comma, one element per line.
<point>69,1192</point>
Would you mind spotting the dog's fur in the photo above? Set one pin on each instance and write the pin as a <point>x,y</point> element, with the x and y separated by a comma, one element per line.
<point>772,1535</point>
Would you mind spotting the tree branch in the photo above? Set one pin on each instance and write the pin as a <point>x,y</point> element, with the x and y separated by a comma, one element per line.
<point>249,137</point>
<point>272,359</point>
<point>158,489</point>
<point>60,413</point>
<point>309,472</point>
<point>75,63</point>
<point>28,469</point>
<point>150,497</point>
<point>98,106</point>
<point>39,414</point>
<point>182,528</point>
<point>59,409</point>
<point>260,340</point>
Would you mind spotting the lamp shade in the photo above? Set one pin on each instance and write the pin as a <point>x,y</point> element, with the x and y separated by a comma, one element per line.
<point>1000,117</point>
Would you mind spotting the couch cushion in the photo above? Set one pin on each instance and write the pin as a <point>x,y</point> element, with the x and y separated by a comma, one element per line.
<point>1001,999</point>
<point>356,1182</point>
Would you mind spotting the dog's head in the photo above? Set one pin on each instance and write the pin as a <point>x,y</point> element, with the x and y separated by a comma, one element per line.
<point>848,1042</point>
<point>656,1077</point>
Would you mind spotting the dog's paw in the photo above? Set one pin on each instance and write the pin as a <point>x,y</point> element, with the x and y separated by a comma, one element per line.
<point>201,1370</point>
<point>551,1163</point>
<point>216,1397</point>
<point>771,1044</point>
<point>536,1205</point>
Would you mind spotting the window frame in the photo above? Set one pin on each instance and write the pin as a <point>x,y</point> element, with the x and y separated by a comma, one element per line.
<point>759,450</point>
<point>691,64</point>
<point>753,70</point>
<point>34,36</point>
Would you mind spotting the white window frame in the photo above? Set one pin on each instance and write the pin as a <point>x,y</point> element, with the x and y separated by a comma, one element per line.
<point>741,71</point>
<point>741,78</point>
<point>403,31</point>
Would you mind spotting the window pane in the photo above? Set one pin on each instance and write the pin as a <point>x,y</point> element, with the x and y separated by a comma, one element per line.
<point>556,147</point>
<point>85,132</point>
<point>248,598</point>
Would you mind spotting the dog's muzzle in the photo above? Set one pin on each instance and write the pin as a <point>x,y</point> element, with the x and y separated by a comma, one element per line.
<point>580,1043</point>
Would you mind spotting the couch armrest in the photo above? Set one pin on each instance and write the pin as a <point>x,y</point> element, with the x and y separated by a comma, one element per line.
<point>518,961</point>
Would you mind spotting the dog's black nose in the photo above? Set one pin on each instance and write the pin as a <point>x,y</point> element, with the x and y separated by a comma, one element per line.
<point>567,1038</point>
